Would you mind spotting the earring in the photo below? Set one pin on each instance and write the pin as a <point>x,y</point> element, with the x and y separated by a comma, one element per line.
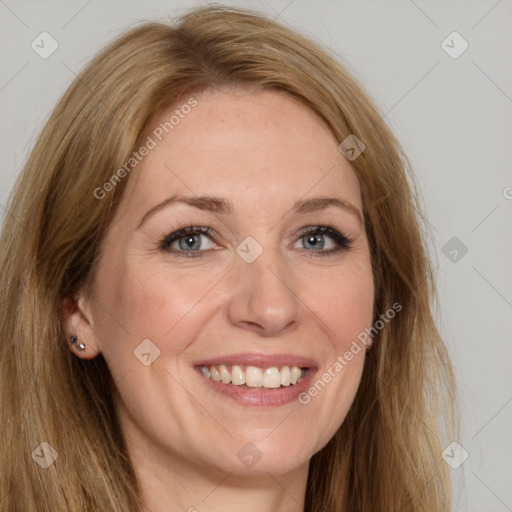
<point>80,347</point>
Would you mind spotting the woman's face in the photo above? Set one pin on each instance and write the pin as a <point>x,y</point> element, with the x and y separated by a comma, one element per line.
<point>257,285</point>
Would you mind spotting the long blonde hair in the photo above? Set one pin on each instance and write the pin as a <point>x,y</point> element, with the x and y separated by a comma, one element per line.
<point>386,456</point>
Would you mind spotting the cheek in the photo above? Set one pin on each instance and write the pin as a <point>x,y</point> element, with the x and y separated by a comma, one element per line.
<point>344,306</point>
<point>157,301</point>
<point>344,302</point>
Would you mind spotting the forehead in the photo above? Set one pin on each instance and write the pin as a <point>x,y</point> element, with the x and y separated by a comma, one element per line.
<point>259,147</point>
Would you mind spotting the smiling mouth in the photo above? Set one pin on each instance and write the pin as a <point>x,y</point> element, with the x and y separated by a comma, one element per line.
<point>254,377</point>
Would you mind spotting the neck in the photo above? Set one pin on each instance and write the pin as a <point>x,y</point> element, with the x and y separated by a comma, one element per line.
<point>196,489</point>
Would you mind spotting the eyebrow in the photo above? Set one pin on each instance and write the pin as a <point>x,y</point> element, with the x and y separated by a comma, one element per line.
<point>220,205</point>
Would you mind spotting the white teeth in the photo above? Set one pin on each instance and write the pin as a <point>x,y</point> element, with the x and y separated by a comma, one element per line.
<point>225,375</point>
<point>271,378</point>
<point>237,375</point>
<point>294,374</point>
<point>285,376</point>
<point>253,376</point>
<point>214,374</point>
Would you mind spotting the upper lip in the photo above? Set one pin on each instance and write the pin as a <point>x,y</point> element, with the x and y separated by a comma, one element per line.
<point>261,360</point>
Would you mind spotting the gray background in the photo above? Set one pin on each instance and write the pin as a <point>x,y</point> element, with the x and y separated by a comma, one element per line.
<point>452,115</point>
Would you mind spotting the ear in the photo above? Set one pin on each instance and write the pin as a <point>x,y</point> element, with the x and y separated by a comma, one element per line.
<point>77,321</point>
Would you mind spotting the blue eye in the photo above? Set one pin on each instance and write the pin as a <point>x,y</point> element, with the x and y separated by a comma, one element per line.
<point>188,240</point>
<point>324,240</point>
<point>191,241</point>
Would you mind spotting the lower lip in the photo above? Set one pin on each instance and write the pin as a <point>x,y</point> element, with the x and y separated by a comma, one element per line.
<point>261,397</point>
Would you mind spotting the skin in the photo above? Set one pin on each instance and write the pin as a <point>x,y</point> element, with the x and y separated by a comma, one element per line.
<point>263,151</point>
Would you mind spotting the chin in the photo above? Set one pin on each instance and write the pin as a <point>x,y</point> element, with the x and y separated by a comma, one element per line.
<point>260,455</point>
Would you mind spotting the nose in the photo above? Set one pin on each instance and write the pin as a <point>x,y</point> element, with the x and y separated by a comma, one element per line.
<point>263,298</point>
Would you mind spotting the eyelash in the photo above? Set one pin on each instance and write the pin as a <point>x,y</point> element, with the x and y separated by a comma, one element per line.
<point>343,242</point>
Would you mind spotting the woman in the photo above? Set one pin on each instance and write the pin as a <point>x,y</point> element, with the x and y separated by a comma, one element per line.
<point>216,292</point>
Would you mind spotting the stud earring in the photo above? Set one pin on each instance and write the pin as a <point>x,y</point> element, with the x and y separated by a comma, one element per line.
<point>80,347</point>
